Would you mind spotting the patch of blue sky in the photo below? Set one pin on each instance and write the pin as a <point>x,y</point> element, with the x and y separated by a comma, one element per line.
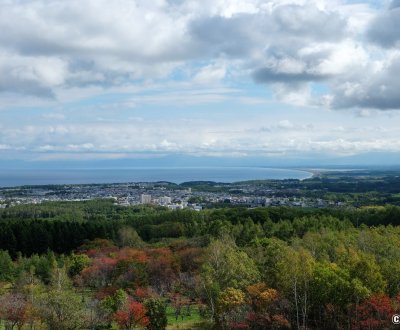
<point>182,72</point>
<point>23,115</point>
<point>374,3</point>
<point>252,89</point>
<point>320,88</point>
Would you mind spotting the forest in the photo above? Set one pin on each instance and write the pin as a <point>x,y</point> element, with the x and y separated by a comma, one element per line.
<point>96,265</point>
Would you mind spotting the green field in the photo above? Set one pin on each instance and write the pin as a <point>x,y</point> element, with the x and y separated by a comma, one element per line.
<point>184,321</point>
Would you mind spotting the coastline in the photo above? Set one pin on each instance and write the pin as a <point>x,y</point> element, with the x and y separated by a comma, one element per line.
<point>176,175</point>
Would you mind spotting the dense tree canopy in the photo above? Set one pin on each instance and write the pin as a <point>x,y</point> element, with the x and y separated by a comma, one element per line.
<point>265,268</point>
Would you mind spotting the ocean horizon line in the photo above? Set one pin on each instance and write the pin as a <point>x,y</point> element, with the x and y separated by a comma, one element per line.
<point>177,175</point>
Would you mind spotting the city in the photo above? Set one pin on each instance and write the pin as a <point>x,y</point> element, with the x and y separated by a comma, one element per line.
<point>173,196</point>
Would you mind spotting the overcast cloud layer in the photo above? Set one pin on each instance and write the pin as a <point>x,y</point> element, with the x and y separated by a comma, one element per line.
<point>127,78</point>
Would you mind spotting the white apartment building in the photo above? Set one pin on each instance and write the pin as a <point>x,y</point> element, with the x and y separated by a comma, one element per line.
<point>145,199</point>
<point>165,200</point>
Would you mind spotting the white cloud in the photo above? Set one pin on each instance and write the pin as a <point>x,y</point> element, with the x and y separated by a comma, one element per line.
<point>285,124</point>
<point>213,73</point>
<point>74,45</point>
<point>205,136</point>
<point>77,43</point>
<point>79,63</point>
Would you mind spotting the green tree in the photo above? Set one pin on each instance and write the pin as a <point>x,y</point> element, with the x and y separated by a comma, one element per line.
<point>228,266</point>
<point>127,236</point>
<point>225,266</point>
<point>294,277</point>
<point>60,307</point>
<point>332,291</point>
<point>77,262</point>
<point>363,266</point>
<point>111,304</point>
<point>331,285</point>
<point>267,253</point>
<point>7,268</point>
<point>156,311</point>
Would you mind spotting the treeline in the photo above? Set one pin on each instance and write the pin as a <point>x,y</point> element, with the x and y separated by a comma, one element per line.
<point>62,226</point>
<point>34,236</point>
<point>247,224</point>
<point>335,182</point>
<point>98,209</point>
<point>342,183</point>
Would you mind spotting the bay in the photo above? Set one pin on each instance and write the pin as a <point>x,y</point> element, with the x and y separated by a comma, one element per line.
<point>20,177</point>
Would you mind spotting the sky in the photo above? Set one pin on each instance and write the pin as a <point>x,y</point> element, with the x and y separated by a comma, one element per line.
<point>240,79</point>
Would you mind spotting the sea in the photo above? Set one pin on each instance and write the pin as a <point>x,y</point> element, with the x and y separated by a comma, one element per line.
<point>21,177</point>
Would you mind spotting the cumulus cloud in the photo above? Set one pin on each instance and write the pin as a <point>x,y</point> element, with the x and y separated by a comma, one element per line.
<point>95,59</point>
<point>384,29</point>
<point>371,81</point>
<point>75,43</point>
<point>378,90</point>
<point>310,22</point>
<point>269,75</point>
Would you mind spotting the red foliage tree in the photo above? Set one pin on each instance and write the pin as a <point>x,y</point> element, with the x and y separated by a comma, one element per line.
<point>100,273</point>
<point>13,310</point>
<point>141,293</point>
<point>163,269</point>
<point>190,259</point>
<point>131,315</point>
<point>105,292</point>
<point>374,313</point>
